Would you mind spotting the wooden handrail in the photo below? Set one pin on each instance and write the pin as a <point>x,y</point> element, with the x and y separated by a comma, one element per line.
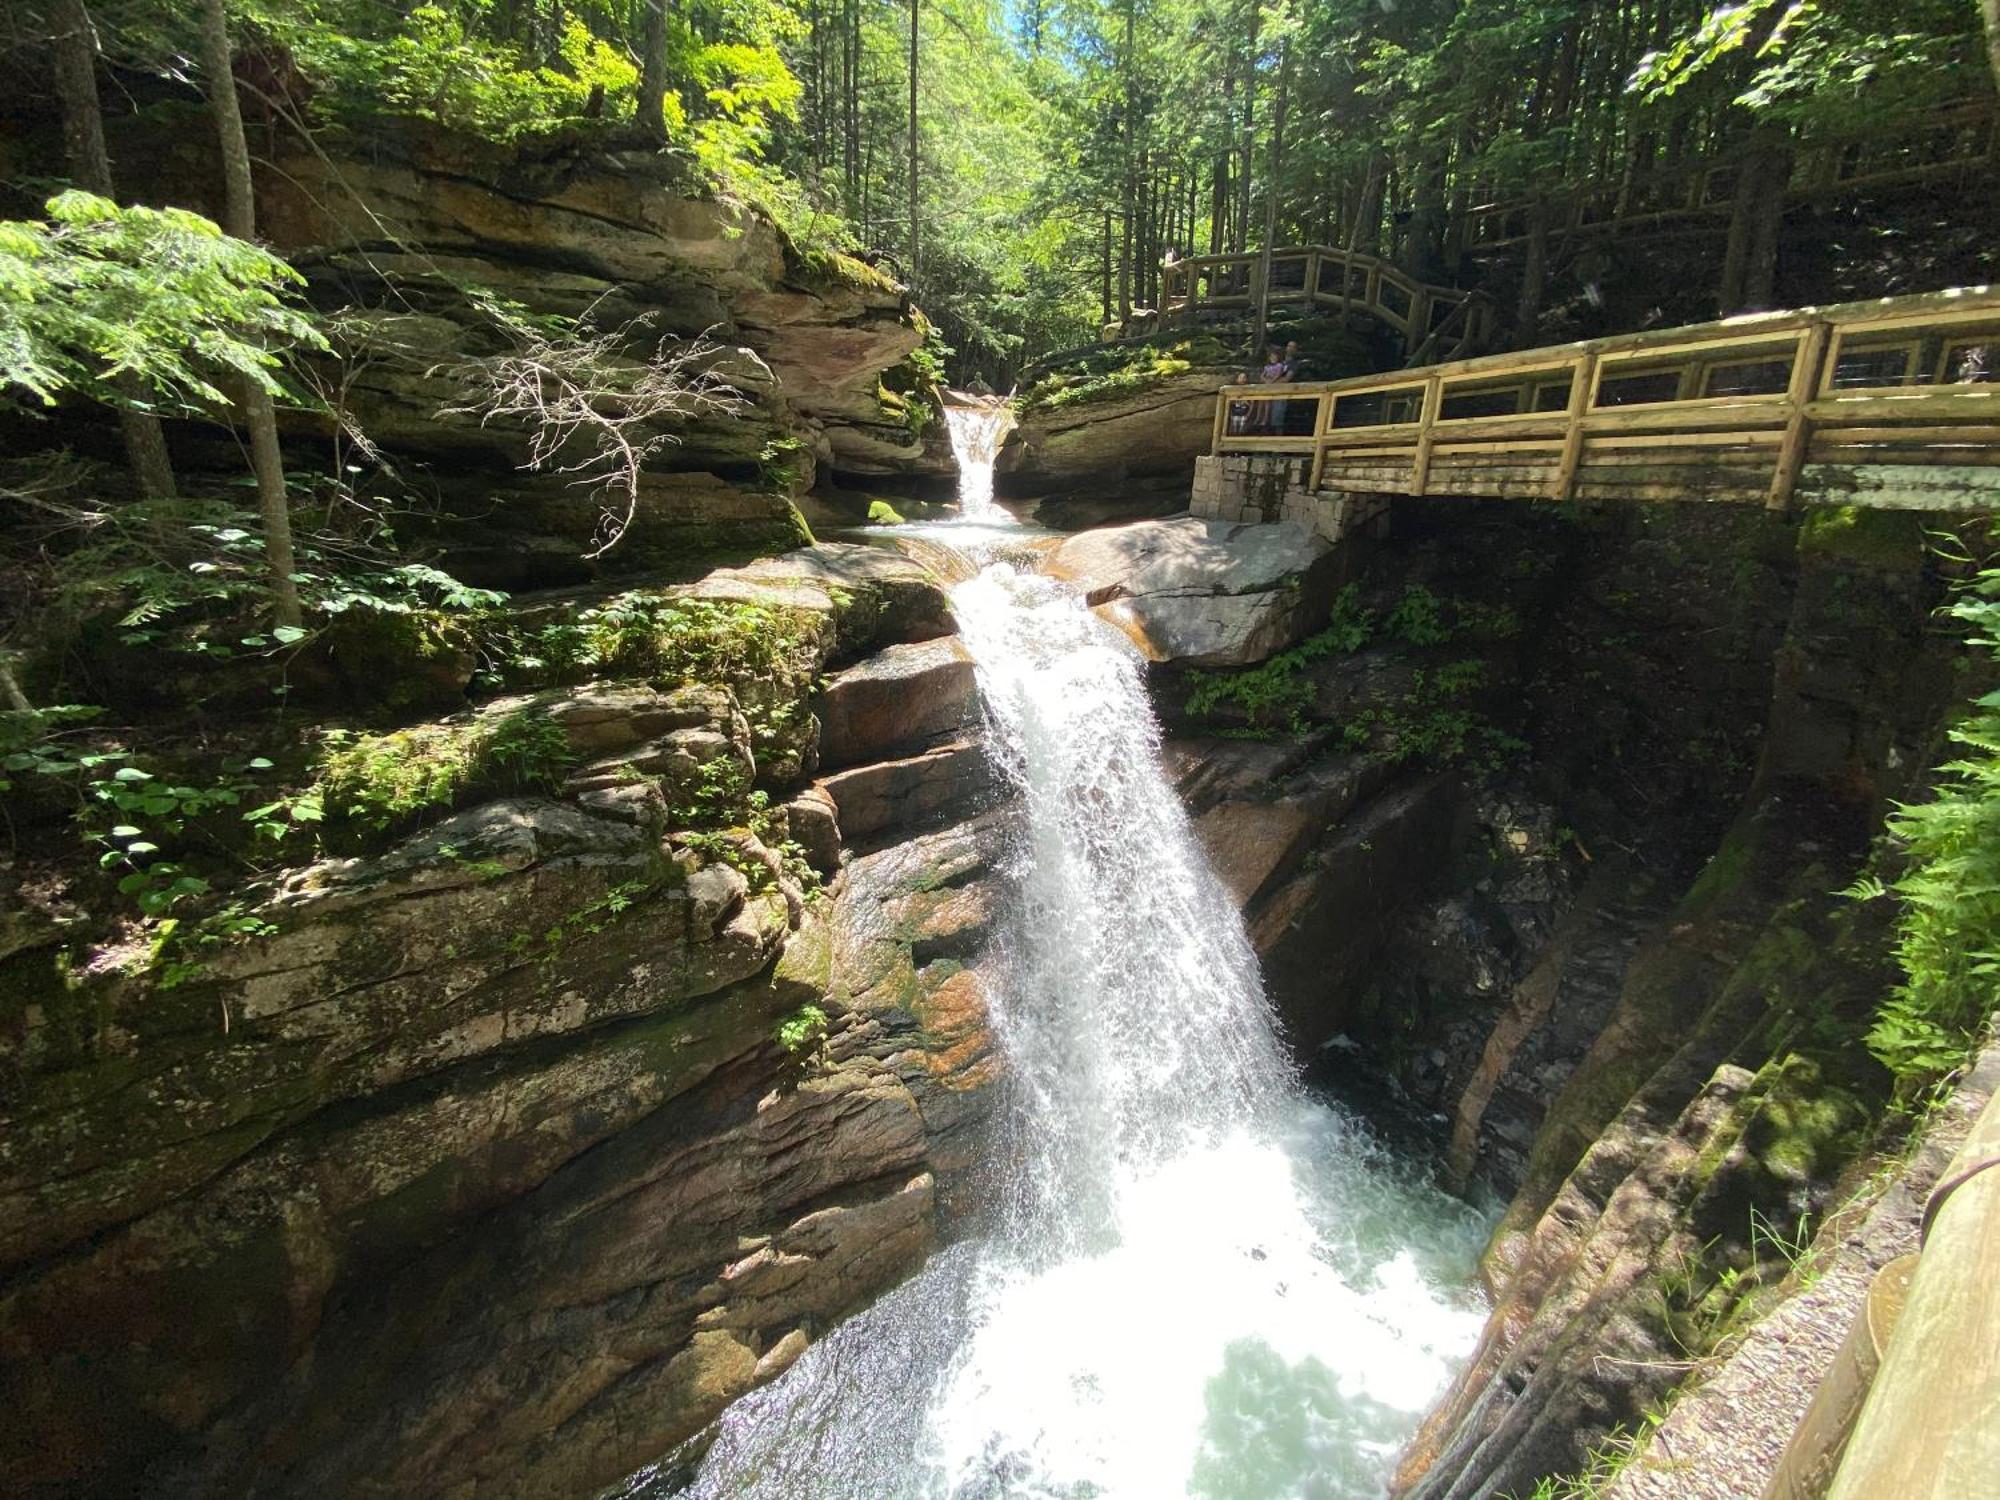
<point>1181,297</point>
<point>1734,410</point>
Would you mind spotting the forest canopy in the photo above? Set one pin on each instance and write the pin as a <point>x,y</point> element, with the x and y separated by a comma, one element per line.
<point>1025,165</point>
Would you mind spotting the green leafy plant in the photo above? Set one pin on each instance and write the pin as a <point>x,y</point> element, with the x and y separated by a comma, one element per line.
<point>96,296</point>
<point>1948,930</point>
<point>1419,618</point>
<point>1275,694</point>
<point>804,1032</point>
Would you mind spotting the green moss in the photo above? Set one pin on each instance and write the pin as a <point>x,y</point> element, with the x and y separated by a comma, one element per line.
<point>1892,541</point>
<point>1724,873</point>
<point>882,513</point>
<point>385,781</point>
<point>1121,371</point>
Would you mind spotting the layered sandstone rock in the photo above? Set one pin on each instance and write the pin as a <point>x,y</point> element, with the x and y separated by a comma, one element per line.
<point>504,1157</point>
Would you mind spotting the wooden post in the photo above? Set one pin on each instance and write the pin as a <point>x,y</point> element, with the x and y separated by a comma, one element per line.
<point>1322,425</point>
<point>1420,320</point>
<point>1810,1459</point>
<point>1582,391</point>
<point>1807,372</point>
<point>1221,419</point>
<point>1927,1431</point>
<point>1420,470</point>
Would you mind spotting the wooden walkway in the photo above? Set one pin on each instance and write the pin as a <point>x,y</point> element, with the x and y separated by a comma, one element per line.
<point>1942,145</point>
<point>1893,403</point>
<point>1436,322</point>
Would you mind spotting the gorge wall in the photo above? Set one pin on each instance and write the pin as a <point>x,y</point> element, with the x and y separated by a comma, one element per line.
<point>1599,955</point>
<point>509,1153</point>
<point>497,1150</point>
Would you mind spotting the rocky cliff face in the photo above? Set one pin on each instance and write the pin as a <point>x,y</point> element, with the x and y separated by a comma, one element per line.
<point>401,243</point>
<point>502,1159</point>
<point>1637,1037</point>
<point>1711,1087</point>
<point>1112,458</point>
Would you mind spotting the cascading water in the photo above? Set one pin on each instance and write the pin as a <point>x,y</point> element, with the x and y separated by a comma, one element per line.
<point>1202,1281</point>
<point>976,435</point>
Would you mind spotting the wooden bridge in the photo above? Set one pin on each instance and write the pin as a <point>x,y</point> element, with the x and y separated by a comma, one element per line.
<point>1948,143</point>
<point>1894,404</point>
<point>1434,321</point>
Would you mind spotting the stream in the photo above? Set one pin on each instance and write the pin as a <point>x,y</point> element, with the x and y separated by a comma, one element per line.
<point>1200,1278</point>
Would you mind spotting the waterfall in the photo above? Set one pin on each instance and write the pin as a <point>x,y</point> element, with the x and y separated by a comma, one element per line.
<point>976,434</point>
<point>1202,1280</point>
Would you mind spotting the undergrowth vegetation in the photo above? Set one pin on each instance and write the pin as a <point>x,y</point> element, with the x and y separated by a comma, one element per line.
<point>1948,851</point>
<point>1431,719</point>
<point>387,781</point>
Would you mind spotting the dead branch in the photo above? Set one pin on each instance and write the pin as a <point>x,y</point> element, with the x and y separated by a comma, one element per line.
<point>592,411</point>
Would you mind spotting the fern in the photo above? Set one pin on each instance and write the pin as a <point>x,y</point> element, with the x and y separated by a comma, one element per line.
<point>1948,933</point>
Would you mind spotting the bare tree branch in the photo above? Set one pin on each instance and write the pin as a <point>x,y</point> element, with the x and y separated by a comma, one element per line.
<point>592,411</point>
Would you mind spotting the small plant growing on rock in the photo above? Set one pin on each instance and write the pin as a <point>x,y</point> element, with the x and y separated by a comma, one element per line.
<point>803,1035</point>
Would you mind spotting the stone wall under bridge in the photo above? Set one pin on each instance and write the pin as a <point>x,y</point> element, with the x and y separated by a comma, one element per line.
<point>1273,487</point>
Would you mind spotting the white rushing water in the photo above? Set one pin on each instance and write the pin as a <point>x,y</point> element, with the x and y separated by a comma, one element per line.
<point>976,435</point>
<point>1202,1280</point>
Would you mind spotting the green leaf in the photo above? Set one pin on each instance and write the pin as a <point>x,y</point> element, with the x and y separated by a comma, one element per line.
<point>132,773</point>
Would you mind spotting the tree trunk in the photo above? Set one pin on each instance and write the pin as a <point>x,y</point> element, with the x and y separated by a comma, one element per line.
<point>1271,195</point>
<point>1760,270</point>
<point>1218,195</point>
<point>10,690</point>
<point>240,219</point>
<point>1534,277</point>
<point>1423,252</point>
<point>1367,236</point>
<point>90,165</point>
<point>915,238</point>
<point>850,76</point>
<point>1104,280</point>
<point>653,76</point>
<point>1750,259</point>
<point>1129,188</point>
<point>1249,126</point>
<point>1990,9</point>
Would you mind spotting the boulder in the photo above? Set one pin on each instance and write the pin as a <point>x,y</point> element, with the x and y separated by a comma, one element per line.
<point>813,823</point>
<point>1201,593</point>
<point>873,595</point>
<point>1156,432</point>
<point>895,700</point>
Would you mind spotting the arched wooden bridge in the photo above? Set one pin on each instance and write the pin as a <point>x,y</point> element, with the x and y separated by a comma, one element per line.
<point>1434,321</point>
<point>1893,404</point>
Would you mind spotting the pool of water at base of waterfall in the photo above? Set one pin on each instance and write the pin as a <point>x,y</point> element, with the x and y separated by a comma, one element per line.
<point>1271,1320</point>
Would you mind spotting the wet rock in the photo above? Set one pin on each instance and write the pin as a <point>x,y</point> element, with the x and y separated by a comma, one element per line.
<point>895,700</point>
<point>1201,593</point>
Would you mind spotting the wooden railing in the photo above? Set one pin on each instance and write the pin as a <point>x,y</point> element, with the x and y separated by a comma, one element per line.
<point>1952,140</point>
<point>1893,403</point>
<point>1319,276</point>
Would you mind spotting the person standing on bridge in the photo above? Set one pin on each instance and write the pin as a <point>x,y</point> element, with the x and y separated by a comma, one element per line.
<point>1275,372</point>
